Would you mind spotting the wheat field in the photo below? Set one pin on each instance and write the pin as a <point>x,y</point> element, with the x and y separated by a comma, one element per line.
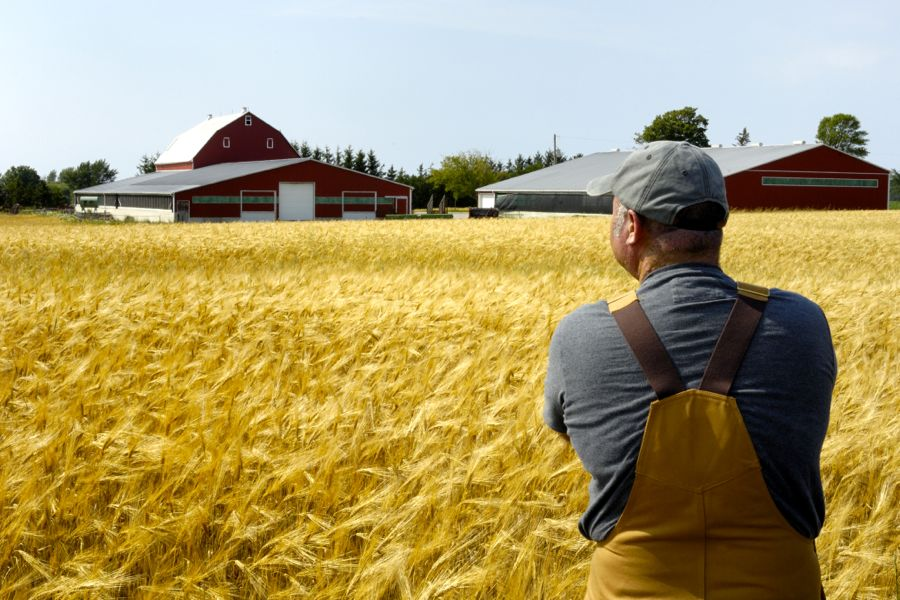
<point>346,410</point>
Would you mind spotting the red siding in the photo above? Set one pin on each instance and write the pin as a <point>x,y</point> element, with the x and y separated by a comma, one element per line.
<point>215,211</point>
<point>746,191</point>
<point>246,142</point>
<point>330,182</point>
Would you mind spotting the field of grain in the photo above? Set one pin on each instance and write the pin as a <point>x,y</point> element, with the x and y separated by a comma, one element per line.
<point>349,410</point>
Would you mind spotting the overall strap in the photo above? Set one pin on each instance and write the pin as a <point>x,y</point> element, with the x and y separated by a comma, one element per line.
<point>735,338</point>
<point>646,345</point>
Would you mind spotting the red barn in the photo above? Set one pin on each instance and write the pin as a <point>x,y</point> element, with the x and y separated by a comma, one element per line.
<point>812,176</point>
<point>791,176</point>
<point>231,138</point>
<point>238,167</point>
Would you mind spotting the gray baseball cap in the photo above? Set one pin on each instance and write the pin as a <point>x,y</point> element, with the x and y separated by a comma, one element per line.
<point>662,178</point>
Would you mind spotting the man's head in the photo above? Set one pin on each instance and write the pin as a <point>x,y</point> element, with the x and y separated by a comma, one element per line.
<point>669,206</point>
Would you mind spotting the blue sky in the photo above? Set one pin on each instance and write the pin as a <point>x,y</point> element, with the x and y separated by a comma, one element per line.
<point>416,80</point>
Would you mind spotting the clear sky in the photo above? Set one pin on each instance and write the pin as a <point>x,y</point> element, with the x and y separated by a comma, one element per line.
<point>415,80</point>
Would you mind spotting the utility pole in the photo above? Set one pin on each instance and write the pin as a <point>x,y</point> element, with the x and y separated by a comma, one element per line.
<point>555,155</point>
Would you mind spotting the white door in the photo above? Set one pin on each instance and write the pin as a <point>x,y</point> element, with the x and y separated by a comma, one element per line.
<point>296,201</point>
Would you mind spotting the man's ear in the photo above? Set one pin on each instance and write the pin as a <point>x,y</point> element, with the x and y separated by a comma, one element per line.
<point>634,228</point>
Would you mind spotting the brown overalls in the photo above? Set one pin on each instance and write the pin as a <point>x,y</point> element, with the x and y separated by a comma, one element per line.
<point>699,522</point>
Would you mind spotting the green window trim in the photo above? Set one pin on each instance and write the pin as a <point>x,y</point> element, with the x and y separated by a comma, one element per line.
<point>353,200</point>
<point>270,200</point>
<point>232,199</point>
<point>820,182</point>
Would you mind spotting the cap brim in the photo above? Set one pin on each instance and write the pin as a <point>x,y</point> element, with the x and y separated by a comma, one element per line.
<point>600,186</point>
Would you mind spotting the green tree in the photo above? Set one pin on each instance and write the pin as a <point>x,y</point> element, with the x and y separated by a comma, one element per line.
<point>51,176</point>
<point>147,164</point>
<point>373,165</point>
<point>743,138</point>
<point>58,195</point>
<point>346,157</point>
<point>684,124</point>
<point>87,174</point>
<point>842,131</point>
<point>359,161</point>
<point>461,174</point>
<point>23,186</point>
<point>304,150</point>
<point>422,185</point>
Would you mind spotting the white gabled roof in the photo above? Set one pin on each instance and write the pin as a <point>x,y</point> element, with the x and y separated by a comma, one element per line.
<point>185,146</point>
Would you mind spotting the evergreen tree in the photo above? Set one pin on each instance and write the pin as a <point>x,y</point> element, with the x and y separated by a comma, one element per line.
<point>359,161</point>
<point>519,166</point>
<point>391,173</point>
<point>304,151</point>
<point>743,138</point>
<point>327,156</point>
<point>147,163</point>
<point>373,165</point>
<point>347,157</point>
<point>317,154</point>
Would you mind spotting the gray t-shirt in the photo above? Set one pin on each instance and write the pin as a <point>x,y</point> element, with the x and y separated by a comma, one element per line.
<point>596,392</point>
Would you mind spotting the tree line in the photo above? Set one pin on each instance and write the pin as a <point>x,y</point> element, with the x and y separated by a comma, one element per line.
<point>23,186</point>
<point>456,178</point>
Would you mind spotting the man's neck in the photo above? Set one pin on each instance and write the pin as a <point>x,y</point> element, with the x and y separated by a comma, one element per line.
<point>648,264</point>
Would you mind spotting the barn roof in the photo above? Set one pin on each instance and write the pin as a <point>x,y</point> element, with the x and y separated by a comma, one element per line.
<point>171,182</point>
<point>186,145</point>
<point>574,175</point>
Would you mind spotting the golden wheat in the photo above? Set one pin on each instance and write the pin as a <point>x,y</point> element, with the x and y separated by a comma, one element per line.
<point>352,410</point>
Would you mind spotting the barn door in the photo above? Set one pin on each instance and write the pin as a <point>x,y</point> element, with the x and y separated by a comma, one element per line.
<point>296,201</point>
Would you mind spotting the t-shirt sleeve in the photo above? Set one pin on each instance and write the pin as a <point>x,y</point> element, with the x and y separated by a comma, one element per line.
<point>554,387</point>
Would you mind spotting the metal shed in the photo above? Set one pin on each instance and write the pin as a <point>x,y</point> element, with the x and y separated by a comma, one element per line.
<point>786,177</point>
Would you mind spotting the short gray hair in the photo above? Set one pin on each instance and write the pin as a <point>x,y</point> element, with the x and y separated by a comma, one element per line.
<point>619,219</point>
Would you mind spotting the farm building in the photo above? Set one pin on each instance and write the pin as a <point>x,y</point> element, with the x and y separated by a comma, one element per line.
<point>238,167</point>
<point>789,176</point>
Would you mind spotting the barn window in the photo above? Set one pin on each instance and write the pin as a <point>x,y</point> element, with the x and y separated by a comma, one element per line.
<point>820,182</point>
<point>270,143</point>
<point>248,120</point>
<point>226,142</point>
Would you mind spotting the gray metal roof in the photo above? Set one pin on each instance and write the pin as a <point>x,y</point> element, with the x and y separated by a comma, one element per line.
<point>172,182</point>
<point>574,175</point>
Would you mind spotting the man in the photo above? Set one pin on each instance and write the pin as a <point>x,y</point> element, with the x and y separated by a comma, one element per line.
<point>704,465</point>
